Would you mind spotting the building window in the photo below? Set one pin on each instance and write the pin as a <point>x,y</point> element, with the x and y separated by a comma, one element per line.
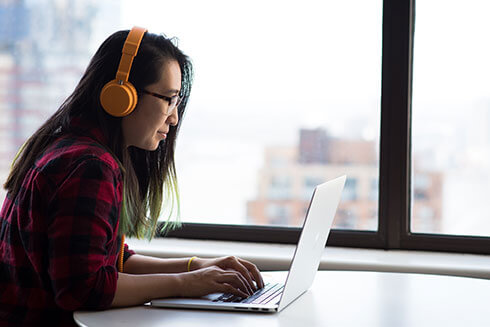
<point>278,214</point>
<point>280,188</point>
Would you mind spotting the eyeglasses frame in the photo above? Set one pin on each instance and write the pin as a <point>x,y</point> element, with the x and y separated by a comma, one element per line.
<point>166,98</point>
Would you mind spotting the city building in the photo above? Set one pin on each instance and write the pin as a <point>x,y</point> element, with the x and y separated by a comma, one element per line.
<point>289,175</point>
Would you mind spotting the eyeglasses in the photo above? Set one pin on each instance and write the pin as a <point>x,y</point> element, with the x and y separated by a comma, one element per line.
<point>173,102</point>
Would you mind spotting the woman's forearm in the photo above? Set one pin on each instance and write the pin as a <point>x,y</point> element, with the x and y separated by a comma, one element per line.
<point>139,289</point>
<point>140,264</point>
<point>147,278</point>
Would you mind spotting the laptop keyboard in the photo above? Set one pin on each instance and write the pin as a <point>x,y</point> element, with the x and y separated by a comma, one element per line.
<point>270,293</point>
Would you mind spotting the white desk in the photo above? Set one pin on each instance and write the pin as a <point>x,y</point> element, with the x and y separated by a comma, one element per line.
<point>337,298</point>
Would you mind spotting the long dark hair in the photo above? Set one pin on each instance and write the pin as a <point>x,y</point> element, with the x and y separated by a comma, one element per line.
<point>149,176</point>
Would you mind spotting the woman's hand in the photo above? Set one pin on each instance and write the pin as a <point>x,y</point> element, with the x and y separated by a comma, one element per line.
<point>213,279</point>
<point>246,270</point>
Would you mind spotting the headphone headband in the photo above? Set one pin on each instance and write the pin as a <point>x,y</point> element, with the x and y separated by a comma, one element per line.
<point>129,51</point>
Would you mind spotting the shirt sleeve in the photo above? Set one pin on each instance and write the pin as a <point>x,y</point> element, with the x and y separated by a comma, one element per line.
<point>84,213</point>
<point>127,253</point>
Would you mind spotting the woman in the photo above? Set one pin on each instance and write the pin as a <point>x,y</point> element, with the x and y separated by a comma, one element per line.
<point>92,174</point>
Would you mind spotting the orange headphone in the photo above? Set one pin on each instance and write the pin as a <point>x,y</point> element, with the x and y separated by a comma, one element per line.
<point>119,97</point>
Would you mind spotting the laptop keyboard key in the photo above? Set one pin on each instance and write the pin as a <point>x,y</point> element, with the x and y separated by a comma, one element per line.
<point>258,293</point>
<point>269,295</point>
<point>268,291</point>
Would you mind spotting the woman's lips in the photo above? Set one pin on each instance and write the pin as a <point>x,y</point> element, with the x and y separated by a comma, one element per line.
<point>162,134</point>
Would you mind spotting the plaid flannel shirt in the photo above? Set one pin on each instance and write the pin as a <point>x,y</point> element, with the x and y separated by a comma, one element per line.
<point>58,236</point>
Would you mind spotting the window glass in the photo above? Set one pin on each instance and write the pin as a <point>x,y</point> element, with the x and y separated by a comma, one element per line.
<point>451,118</point>
<point>44,49</point>
<point>286,95</point>
<point>293,96</point>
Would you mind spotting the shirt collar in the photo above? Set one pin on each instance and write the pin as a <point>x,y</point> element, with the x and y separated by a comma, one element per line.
<point>84,128</point>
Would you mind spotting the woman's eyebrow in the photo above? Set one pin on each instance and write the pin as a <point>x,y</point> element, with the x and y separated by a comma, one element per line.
<point>172,91</point>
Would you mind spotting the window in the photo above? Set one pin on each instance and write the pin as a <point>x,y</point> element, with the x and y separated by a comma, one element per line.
<point>451,119</point>
<point>44,49</point>
<point>310,91</point>
<point>285,107</point>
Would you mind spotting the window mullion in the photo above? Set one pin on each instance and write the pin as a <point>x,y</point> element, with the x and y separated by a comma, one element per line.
<point>395,122</point>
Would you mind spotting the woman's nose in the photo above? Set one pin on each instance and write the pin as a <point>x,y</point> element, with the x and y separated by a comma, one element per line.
<point>173,119</point>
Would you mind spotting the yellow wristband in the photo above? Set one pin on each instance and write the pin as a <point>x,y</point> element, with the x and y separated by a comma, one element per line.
<point>189,263</point>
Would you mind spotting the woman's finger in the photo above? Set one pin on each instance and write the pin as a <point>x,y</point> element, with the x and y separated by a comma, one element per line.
<point>254,271</point>
<point>238,266</point>
<point>237,280</point>
<point>227,288</point>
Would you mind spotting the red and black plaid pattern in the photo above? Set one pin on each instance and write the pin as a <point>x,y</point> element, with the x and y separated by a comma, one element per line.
<point>58,236</point>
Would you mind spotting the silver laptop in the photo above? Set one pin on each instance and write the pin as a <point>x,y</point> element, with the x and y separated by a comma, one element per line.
<point>276,296</point>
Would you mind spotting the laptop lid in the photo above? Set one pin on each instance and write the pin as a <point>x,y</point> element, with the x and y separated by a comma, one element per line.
<point>311,244</point>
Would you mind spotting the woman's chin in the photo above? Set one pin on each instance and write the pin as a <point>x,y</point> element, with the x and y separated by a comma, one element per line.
<point>148,147</point>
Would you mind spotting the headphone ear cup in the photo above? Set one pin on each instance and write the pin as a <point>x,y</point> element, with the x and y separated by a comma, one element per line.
<point>118,100</point>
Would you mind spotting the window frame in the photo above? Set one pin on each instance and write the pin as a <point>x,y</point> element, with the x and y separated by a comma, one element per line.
<point>394,170</point>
